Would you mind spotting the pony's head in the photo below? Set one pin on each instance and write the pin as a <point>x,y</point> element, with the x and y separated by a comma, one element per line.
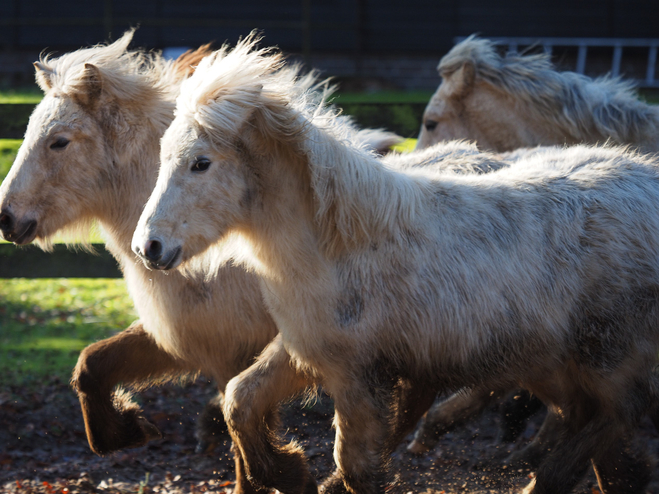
<point>80,136</point>
<point>507,102</point>
<point>235,110</point>
<point>469,104</point>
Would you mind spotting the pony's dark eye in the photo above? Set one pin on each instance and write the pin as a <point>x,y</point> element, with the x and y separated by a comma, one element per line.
<point>201,164</point>
<point>430,125</point>
<point>60,143</point>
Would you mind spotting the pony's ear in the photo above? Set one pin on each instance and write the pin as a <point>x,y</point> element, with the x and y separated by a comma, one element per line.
<point>43,75</point>
<point>462,80</point>
<point>90,86</point>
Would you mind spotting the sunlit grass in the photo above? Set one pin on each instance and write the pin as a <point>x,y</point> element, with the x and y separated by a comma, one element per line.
<point>406,146</point>
<point>45,323</point>
<point>30,95</point>
<point>8,150</point>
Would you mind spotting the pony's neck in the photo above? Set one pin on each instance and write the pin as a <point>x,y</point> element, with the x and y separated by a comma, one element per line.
<point>134,168</point>
<point>357,199</point>
<point>329,199</point>
<point>575,110</point>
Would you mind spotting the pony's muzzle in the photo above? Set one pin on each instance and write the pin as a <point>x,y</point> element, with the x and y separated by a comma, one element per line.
<point>7,222</point>
<point>19,232</point>
<point>153,250</point>
<point>154,255</point>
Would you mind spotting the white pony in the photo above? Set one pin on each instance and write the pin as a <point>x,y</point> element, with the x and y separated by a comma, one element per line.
<point>505,103</point>
<point>543,275</point>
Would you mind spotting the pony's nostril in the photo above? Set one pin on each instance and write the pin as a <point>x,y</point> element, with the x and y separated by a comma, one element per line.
<point>6,221</point>
<point>153,250</point>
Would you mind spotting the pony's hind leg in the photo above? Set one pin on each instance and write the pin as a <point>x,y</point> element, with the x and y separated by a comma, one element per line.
<point>448,414</point>
<point>411,400</point>
<point>112,421</point>
<point>250,410</point>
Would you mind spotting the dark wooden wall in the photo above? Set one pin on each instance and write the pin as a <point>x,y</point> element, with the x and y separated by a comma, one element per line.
<point>339,26</point>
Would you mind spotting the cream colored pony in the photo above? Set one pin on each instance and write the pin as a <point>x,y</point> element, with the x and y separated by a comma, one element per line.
<point>543,275</point>
<point>504,103</point>
<point>91,153</point>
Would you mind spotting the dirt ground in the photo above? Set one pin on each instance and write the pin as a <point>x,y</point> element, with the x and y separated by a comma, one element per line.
<point>43,449</point>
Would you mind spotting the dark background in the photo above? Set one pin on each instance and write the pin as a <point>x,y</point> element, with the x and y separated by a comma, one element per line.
<point>380,27</point>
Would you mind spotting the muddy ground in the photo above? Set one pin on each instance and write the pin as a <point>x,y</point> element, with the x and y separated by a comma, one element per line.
<point>43,449</point>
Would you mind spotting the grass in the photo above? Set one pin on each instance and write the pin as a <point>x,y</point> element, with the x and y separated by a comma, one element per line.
<point>8,150</point>
<point>28,94</point>
<point>45,323</point>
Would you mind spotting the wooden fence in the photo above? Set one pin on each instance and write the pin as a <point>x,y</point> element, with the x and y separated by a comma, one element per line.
<point>31,262</point>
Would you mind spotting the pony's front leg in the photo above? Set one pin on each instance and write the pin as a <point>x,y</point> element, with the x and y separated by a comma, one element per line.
<point>112,421</point>
<point>362,418</point>
<point>251,412</point>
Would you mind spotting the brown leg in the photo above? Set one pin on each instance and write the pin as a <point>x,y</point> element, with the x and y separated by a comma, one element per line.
<point>250,410</point>
<point>112,421</point>
<point>568,462</point>
<point>243,486</point>
<point>411,401</point>
<point>446,415</point>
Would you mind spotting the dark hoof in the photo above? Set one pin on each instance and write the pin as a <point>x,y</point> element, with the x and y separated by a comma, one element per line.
<point>136,431</point>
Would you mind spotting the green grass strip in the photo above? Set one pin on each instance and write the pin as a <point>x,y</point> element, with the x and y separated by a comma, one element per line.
<point>45,323</point>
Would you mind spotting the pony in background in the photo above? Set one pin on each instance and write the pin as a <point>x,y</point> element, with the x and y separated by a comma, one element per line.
<point>510,102</point>
<point>515,101</point>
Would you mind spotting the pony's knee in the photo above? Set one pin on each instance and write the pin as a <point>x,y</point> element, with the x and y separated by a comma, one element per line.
<point>89,370</point>
<point>237,408</point>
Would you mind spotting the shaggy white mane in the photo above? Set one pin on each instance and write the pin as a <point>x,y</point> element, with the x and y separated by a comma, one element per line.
<point>126,74</point>
<point>228,85</point>
<point>586,108</point>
